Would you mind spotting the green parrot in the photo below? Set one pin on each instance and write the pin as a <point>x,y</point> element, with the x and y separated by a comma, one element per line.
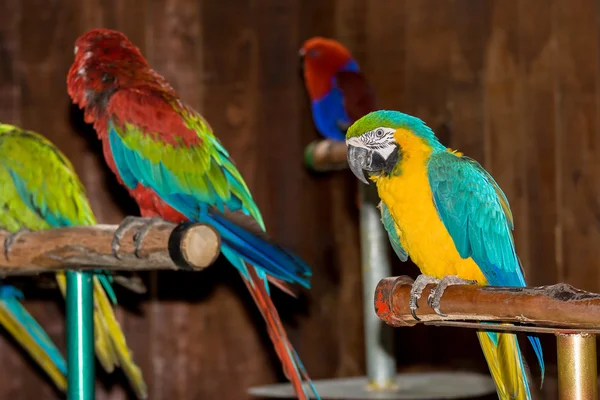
<point>40,190</point>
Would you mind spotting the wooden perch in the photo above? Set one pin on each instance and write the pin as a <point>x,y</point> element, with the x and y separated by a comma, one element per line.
<point>166,246</point>
<point>326,155</point>
<point>554,308</point>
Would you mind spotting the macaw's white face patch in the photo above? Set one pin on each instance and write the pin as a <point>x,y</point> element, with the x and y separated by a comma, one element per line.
<point>375,151</point>
<point>380,140</point>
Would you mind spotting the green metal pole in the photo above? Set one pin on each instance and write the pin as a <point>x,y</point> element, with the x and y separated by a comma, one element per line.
<point>80,336</point>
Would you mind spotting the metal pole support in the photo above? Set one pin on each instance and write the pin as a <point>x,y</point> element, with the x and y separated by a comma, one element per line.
<point>80,336</point>
<point>374,249</point>
<point>577,369</point>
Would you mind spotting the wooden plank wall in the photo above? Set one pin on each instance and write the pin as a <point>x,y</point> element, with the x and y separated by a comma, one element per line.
<point>513,83</point>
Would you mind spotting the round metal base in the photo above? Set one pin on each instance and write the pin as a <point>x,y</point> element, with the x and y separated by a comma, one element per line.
<point>431,385</point>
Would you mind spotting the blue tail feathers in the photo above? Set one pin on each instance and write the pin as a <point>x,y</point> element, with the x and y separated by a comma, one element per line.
<point>537,347</point>
<point>241,246</point>
<point>10,296</point>
<point>259,252</point>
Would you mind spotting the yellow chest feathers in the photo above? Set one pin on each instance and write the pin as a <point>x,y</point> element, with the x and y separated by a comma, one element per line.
<point>410,201</point>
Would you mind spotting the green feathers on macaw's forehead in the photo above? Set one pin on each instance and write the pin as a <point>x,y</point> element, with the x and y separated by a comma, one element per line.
<point>106,61</point>
<point>391,119</point>
<point>373,146</point>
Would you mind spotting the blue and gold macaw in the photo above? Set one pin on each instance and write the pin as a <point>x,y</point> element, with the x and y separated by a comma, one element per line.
<point>449,215</point>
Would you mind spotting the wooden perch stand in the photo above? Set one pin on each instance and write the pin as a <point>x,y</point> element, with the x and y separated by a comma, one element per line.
<point>326,155</point>
<point>554,307</point>
<point>167,246</point>
<point>571,314</point>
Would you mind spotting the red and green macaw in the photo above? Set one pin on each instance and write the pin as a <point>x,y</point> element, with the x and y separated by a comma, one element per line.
<point>168,158</point>
<point>449,215</point>
<point>338,91</point>
<point>39,189</point>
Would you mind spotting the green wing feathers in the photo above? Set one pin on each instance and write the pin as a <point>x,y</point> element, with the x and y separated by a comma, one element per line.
<point>41,190</point>
<point>48,188</point>
<point>199,168</point>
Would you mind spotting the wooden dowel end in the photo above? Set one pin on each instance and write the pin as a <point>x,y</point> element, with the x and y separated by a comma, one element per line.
<point>166,246</point>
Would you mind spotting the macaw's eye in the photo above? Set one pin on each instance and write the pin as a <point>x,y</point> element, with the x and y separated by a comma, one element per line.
<point>379,132</point>
<point>313,53</point>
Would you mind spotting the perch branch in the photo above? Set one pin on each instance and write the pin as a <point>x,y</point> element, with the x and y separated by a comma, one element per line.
<point>556,308</point>
<point>326,155</point>
<point>167,246</point>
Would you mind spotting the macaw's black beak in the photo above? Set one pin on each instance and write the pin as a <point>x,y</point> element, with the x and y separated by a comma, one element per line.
<point>359,159</point>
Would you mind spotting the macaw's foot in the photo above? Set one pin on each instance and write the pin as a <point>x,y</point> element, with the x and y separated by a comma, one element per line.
<point>417,288</point>
<point>142,225</point>
<point>12,239</point>
<point>435,296</point>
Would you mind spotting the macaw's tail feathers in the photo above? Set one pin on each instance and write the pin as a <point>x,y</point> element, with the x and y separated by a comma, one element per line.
<point>292,366</point>
<point>260,261</point>
<point>506,364</point>
<point>109,340</point>
<point>537,347</point>
<point>113,334</point>
<point>244,237</point>
<point>29,334</point>
<point>283,286</point>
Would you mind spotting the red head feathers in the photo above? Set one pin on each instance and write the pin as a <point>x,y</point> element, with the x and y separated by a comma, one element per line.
<point>105,61</point>
<point>322,59</point>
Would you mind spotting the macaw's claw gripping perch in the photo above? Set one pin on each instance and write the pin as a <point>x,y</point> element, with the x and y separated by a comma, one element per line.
<point>415,294</point>
<point>435,295</point>
<point>143,225</point>
<point>12,239</point>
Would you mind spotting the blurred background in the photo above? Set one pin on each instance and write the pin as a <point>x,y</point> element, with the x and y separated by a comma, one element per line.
<point>511,83</point>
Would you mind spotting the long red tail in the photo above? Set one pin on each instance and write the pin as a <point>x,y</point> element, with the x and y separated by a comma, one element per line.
<point>292,366</point>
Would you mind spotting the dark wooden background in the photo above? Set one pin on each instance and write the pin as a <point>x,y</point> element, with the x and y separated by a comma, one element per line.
<point>511,83</point>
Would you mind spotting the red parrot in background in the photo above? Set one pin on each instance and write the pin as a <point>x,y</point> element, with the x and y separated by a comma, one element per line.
<point>338,91</point>
<point>168,158</point>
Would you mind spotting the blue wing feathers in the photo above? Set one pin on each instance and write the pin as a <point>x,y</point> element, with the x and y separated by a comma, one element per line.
<point>118,153</point>
<point>477,216</point>
<point>328,112</point>
<point>467,202</point>
<point>390,226</point>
